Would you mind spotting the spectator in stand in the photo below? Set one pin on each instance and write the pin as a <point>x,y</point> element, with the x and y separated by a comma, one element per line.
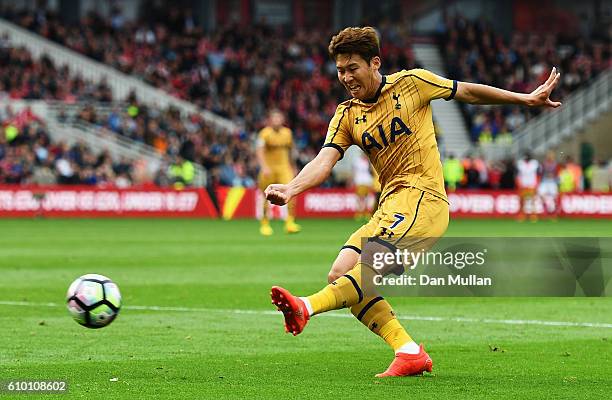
<point>43,174</point>
<point>241,178</point>
<point>486,135</point>
<point>515,119</point>
<point>504,137</point>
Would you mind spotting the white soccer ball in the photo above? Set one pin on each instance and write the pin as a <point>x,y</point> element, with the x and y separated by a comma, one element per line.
<point>93,300</point>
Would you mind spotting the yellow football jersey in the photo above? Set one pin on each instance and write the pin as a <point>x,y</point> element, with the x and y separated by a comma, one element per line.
<point>277,147</point>
<point>395,129</point>
<point>375,181</point>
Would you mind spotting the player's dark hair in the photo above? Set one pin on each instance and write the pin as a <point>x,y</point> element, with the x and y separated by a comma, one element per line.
<point>362,41</point>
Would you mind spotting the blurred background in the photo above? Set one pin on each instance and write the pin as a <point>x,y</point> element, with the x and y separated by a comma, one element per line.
<point>153,107</point>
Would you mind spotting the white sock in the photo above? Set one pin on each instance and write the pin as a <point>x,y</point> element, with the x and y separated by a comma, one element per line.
<point>308,305</point>
<point>409,348</point>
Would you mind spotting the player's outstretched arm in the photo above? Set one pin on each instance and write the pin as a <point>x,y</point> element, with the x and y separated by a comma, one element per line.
<point>313,174</point>
<point>474,93</point>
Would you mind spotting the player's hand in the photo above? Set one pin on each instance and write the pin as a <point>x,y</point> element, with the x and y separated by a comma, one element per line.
<point>541,96</point>
<point>278,194</point>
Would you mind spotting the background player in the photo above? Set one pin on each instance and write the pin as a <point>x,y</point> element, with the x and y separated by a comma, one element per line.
<point>364,185</point>
<point>390,118</point>
<point>274,154</point>
<point>548,189</point>
<point>376,186</point>
<point>527,182</point>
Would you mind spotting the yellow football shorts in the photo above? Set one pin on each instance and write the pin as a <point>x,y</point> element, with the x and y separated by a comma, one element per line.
<point>404,214</point>
<point>363,190</point>
<point>282,176</point>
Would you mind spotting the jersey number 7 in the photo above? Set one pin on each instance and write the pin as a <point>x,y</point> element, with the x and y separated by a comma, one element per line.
<point>398,220</point>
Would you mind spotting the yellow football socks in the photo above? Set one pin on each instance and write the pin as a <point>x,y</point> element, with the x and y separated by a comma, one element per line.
<point>378,316</point>
<point>373,311</point>
<point>343,292</point>
<point>291,210</point>
<point>394,334</point>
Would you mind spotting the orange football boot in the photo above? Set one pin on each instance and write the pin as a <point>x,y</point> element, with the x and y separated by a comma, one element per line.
<point>293,308</point>
<point>409,364</point>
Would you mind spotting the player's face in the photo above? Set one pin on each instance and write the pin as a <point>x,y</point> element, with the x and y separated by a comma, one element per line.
<point>357,75</point>
<point>276,119</point>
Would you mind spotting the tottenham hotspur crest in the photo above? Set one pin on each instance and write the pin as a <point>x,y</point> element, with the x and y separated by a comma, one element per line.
<point>397,103</point>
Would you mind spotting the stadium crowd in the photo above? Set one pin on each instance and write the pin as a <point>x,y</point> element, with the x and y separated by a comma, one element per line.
<point>228,158</point>
<point>24,77</point>
<point>236,72</point>
<point>240,72</point>
<point>475,52</point>
<point>29,156</point>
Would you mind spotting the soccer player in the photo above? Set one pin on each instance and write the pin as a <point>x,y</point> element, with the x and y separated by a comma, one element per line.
<point>364,185</point>
<point>527,182</point>
<point>274,154</point>
<point>548,189</point>
<point>390,118</point>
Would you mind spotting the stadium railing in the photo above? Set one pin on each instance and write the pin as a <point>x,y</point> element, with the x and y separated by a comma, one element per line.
<point>447,114</point>
<point>68,113</point>
<point>120,83</point>
<point>70,130</point>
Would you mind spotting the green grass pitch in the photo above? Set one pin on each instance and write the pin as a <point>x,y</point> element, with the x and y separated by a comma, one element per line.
<point>216,335</point>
